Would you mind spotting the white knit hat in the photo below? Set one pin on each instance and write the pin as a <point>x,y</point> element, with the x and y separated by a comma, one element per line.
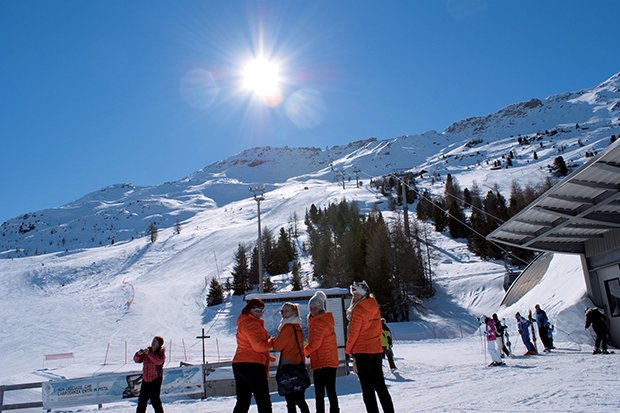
<point>318,300</point>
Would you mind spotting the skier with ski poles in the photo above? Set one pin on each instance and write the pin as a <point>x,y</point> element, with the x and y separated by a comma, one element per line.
<point>523,327</point>
<point>491,333</point>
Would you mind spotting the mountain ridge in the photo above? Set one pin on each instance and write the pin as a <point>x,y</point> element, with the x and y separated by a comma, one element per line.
<point>573,124</point>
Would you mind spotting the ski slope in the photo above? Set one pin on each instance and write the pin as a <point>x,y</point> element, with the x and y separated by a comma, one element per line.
<point>68,288</point>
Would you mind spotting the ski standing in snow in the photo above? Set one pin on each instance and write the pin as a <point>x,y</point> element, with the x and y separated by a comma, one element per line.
<point>500,343</point>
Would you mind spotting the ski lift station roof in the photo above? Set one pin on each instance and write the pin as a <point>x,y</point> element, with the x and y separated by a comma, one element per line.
<point>581,214</point>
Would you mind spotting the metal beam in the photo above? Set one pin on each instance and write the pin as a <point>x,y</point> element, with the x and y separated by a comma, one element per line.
<point>609,218</point>
<point>574,236</point>
<point>536,223</point>
<point>573,248</point>
<point>575,199</point>
<point>594,185</point>
<point>587,225</point>
<point>607,199</point>
<point>607,166</point>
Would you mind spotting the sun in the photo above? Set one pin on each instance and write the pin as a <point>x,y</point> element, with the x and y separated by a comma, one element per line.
<point>262,77</point>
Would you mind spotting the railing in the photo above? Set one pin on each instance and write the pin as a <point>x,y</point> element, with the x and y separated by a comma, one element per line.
<point>16,406</point>
<point>222,387</point>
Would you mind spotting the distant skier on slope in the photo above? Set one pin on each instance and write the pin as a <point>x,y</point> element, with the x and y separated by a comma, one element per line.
<point>499,340</point>
<point>523,327</point>
<point>386,343</point>
<point>491,333</point>
<point>543,327</point>
<point>598,321</point>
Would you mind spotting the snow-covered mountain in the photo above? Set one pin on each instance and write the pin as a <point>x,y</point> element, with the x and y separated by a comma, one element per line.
<point>67,287</point>
<point>575,125</point>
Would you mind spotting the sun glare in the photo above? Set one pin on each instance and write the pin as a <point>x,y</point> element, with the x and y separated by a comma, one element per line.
<point>262,77</point>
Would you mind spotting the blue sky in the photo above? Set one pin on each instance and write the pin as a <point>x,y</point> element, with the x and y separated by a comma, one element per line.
<point>96,93</point>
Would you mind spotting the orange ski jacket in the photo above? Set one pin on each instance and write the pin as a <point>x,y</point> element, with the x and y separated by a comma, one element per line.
<point>322,347</point>
<point>365,328</point>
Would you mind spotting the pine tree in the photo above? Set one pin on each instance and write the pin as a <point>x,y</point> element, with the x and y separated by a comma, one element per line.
<point>296,278</point>
<point>559,167</point>
<point>153,232</point>
<point>452,190</point>
<point>216,293</point>
<point>379,259</point>
<point>440,218</point>
<point>424,208</point>
<point>268,251</point>
<point>466,198</point>
<point>456,220</point>
<point>240,272</point>
<point>253,273</point>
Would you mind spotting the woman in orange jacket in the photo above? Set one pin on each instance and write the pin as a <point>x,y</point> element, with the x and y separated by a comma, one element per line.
<point>364,344</point>
<point>251,360</point>
<point>289,342</point>
<point>323,352</point>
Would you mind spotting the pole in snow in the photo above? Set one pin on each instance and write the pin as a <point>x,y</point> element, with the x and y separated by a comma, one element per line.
<point>204,363</point>
<point>259,195</point>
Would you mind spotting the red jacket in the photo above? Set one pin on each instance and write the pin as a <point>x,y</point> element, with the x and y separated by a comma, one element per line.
<point>152,364</point>
<point>322,347</point>
<point>287,344</point>
<point>365,328</point>
<point>252,346</point>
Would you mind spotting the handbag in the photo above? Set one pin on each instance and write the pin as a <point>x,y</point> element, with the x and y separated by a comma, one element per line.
<point>292,378</point>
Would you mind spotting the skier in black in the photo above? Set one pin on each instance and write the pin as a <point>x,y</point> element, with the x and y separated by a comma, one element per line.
<point>543,327</point>
<point>501,343</point>
<point>598,321</point>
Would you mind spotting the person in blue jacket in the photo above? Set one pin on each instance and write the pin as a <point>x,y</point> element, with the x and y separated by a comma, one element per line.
<point>543,327</point>
<point>523,325</point>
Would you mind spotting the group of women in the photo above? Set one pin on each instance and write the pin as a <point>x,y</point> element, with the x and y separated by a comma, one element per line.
<point>252,358</point>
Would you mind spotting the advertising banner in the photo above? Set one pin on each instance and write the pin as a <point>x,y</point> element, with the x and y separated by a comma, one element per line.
<point>110,388</point>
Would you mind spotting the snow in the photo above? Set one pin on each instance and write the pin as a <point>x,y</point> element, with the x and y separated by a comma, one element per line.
<point>96,299</point>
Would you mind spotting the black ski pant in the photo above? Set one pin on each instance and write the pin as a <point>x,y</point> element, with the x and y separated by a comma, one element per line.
<point>296,399</point>
<point>150,390</point>
<point>250,378</point>
<point>370,373</point>
<point>601,340</point>
<point>543,332</point>
<point>325,380</point>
